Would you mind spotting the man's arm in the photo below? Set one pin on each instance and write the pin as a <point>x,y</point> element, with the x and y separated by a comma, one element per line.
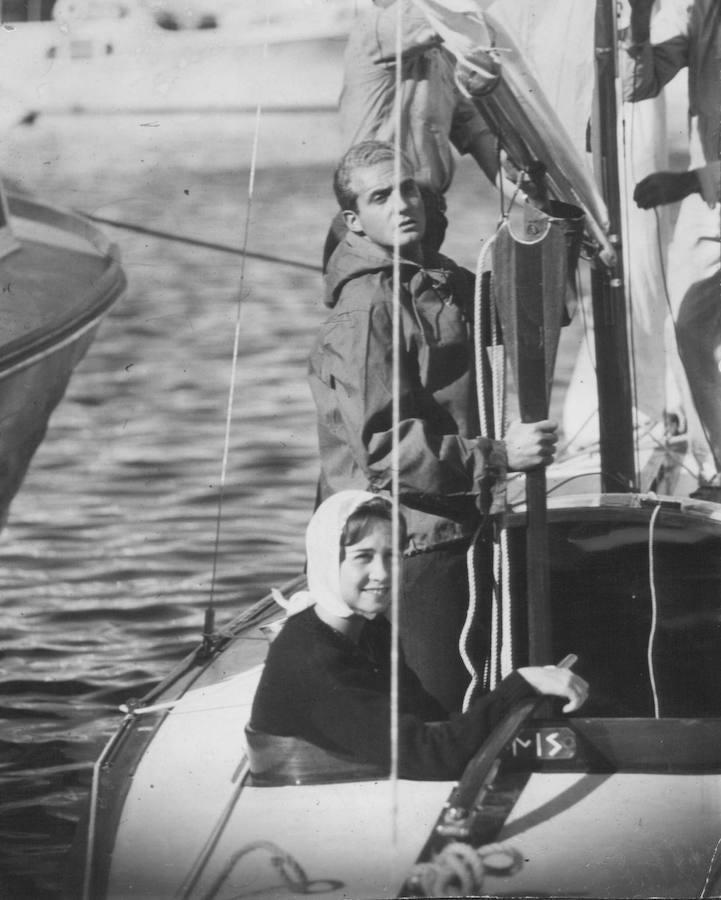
<point>355,362</point>
<point>660,188</point>
<point>416,37</point>
<point>366,101</point>
<point>471,134</point>
<point>647,67</point>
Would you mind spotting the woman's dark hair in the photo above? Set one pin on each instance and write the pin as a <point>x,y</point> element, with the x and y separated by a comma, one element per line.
<point>360,520</point>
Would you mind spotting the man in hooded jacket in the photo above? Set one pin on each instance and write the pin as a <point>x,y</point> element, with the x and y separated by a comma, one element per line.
<point>450,475</point>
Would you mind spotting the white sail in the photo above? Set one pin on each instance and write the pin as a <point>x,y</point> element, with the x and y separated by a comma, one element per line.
<point>567,80</point>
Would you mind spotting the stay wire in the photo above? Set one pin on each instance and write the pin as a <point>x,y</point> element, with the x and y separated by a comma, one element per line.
<point>627,241</point>
<point>234,365</point>
<point>395,448</point>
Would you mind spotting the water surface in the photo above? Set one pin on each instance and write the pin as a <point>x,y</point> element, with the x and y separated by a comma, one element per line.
<point>106,563</point>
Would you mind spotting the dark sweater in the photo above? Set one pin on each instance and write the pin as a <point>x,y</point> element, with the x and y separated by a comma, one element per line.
<point>319,685</point>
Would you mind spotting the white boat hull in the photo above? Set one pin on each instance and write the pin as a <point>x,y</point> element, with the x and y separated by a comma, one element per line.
<point>631,809</point>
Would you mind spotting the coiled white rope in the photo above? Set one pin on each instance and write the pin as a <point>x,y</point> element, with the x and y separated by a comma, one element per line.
<point>459,869</point>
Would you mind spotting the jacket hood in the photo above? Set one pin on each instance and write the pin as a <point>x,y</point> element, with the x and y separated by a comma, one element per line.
<point>353,256</point>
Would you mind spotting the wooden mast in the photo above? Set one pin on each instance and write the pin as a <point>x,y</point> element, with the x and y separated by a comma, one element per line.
<point>613,370</point>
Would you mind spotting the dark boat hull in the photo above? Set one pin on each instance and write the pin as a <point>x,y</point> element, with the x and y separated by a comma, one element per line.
<point>57,285</point>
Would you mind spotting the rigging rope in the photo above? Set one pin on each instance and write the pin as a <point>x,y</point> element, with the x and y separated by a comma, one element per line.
<point>197,242</point>
<point>499,414</point>
<point>654,611</point>
<point>500,654</point>
<point>482,389</point>
<point>470,615</point>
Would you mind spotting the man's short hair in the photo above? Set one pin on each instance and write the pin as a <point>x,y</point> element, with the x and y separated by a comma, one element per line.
<point>360,156</point>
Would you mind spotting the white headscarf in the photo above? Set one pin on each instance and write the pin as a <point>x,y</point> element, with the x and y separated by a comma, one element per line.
<point>322,544</point>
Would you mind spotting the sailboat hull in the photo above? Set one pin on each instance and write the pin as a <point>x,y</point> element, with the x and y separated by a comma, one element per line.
<point>56,285</point>
<point>619,803</point>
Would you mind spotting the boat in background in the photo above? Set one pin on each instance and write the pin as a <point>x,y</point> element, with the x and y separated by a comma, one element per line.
<point>116,58</point>
<point>59,276</point>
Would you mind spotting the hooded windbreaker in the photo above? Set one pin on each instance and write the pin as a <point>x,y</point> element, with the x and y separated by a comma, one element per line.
<point>447,471</point>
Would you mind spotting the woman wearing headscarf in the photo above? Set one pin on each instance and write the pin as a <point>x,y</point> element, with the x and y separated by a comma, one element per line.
<point>328,673</point>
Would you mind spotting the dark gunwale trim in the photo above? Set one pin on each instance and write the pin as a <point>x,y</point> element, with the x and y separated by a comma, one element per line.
<point>41,342</point>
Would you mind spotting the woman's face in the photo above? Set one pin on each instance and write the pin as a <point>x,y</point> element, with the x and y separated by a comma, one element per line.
<point>365,572</point>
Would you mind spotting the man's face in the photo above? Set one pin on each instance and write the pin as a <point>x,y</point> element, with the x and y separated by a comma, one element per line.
<point>376,215</point>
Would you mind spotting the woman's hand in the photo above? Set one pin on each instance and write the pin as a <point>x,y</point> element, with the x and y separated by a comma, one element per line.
<point>557,682</point>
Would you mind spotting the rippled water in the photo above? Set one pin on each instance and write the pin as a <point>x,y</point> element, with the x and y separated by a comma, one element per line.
<point>106,562</point>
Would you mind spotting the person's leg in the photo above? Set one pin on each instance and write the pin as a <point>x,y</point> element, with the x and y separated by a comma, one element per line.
<point>698,332</point>
<point>692,267</point>
<point>432,614</point>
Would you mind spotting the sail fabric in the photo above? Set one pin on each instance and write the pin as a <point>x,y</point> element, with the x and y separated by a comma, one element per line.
<point>643,148</point>
<point>566,76</point>
<point>485,39</point>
